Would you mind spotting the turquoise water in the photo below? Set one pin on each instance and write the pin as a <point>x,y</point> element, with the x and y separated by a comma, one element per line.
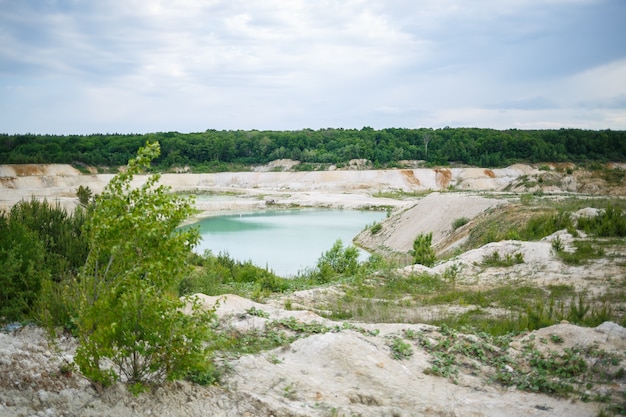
<point>284,241</point>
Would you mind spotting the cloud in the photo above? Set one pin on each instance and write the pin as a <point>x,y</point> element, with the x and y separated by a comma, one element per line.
<point>142,65</point>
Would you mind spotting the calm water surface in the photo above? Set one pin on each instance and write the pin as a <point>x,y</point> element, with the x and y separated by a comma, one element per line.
<point>285,241</point>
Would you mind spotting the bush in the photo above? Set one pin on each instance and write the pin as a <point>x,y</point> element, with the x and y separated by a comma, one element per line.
<point>338,260</point>
<point>376,228</point>
<point>610,223</point>
<point>422,251</point>
<point>544,225</point>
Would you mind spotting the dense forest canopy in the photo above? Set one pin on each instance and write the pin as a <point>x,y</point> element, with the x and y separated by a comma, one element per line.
<point>214,150</point>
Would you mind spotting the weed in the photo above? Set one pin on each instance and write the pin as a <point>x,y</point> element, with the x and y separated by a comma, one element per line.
<point>209,376</point>
<point>450,273</point>
<point>584,252</point>
<point>253,311</point>
<point>526,199</point>
<point>290,392</point>
<point>410,334</point>
<point>273,359</point>
<point>400,349</point>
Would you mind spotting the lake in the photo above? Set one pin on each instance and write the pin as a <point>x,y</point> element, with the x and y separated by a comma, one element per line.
<point>284,241</point>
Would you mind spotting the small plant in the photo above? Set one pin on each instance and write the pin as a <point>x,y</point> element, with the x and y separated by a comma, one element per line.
<point>410,334</point>
<point>495,260</point>
<point>290,392</point>
<point>376,228</point>
<point>610,223</point>
<point>400,349</point>
<point>208,376</point>
<point>253,311</point>
<point>557,244</point>
<point>273,359</point>
<point>450,274</point>
<point>67,369</point>
<point>584,252</point>
<point>84,195</point>
<point>462,221</point>
<point>555,338</point>
<point>422,252</point>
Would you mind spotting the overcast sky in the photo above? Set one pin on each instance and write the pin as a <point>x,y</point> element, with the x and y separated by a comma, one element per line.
<point>136,66</point>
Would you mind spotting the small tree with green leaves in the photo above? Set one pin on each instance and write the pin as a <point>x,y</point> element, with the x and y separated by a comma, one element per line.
<point>129,312</point>
<point>338,260</point>
<point>84,195</point>
<point>423,252</point>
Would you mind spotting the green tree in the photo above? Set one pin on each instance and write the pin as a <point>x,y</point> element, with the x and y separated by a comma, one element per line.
<point>38,242</point>
<point>423,252</point>
<point>22,262</point>
<point>129,311</point>
<point>84,195</point>
<point>338,260</point>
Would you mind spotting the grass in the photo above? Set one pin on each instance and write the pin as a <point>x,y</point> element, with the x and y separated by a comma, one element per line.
<point>501,309</point>
<point>584,252</point>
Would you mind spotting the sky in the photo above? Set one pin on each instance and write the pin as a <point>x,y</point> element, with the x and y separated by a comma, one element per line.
<point>139,66</point>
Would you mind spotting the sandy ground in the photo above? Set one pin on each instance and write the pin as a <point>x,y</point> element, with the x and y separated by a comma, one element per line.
<point>343,372</point>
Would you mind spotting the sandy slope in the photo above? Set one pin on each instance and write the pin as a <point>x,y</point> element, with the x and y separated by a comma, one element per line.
<point>348,189</point>
<point>434,214</point>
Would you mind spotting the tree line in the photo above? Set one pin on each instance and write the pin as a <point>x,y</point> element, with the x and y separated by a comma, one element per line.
<point>214,150</point>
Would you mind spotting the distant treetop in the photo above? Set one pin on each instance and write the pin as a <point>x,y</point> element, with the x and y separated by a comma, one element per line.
<point>214,150</point>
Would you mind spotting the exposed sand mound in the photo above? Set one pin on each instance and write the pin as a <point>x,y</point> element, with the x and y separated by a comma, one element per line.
<point>434,214</point>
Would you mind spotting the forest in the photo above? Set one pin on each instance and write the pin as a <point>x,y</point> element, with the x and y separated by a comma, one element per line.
<point>213,150</point>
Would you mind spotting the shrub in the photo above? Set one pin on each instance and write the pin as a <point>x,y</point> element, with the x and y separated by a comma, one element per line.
<point>423,252</point>
<point>610,223</point>
<point>544,225</point>
<point>376,228</point>
<point>462,221</point>
<point>38,242</point>
<point>338,260</point>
